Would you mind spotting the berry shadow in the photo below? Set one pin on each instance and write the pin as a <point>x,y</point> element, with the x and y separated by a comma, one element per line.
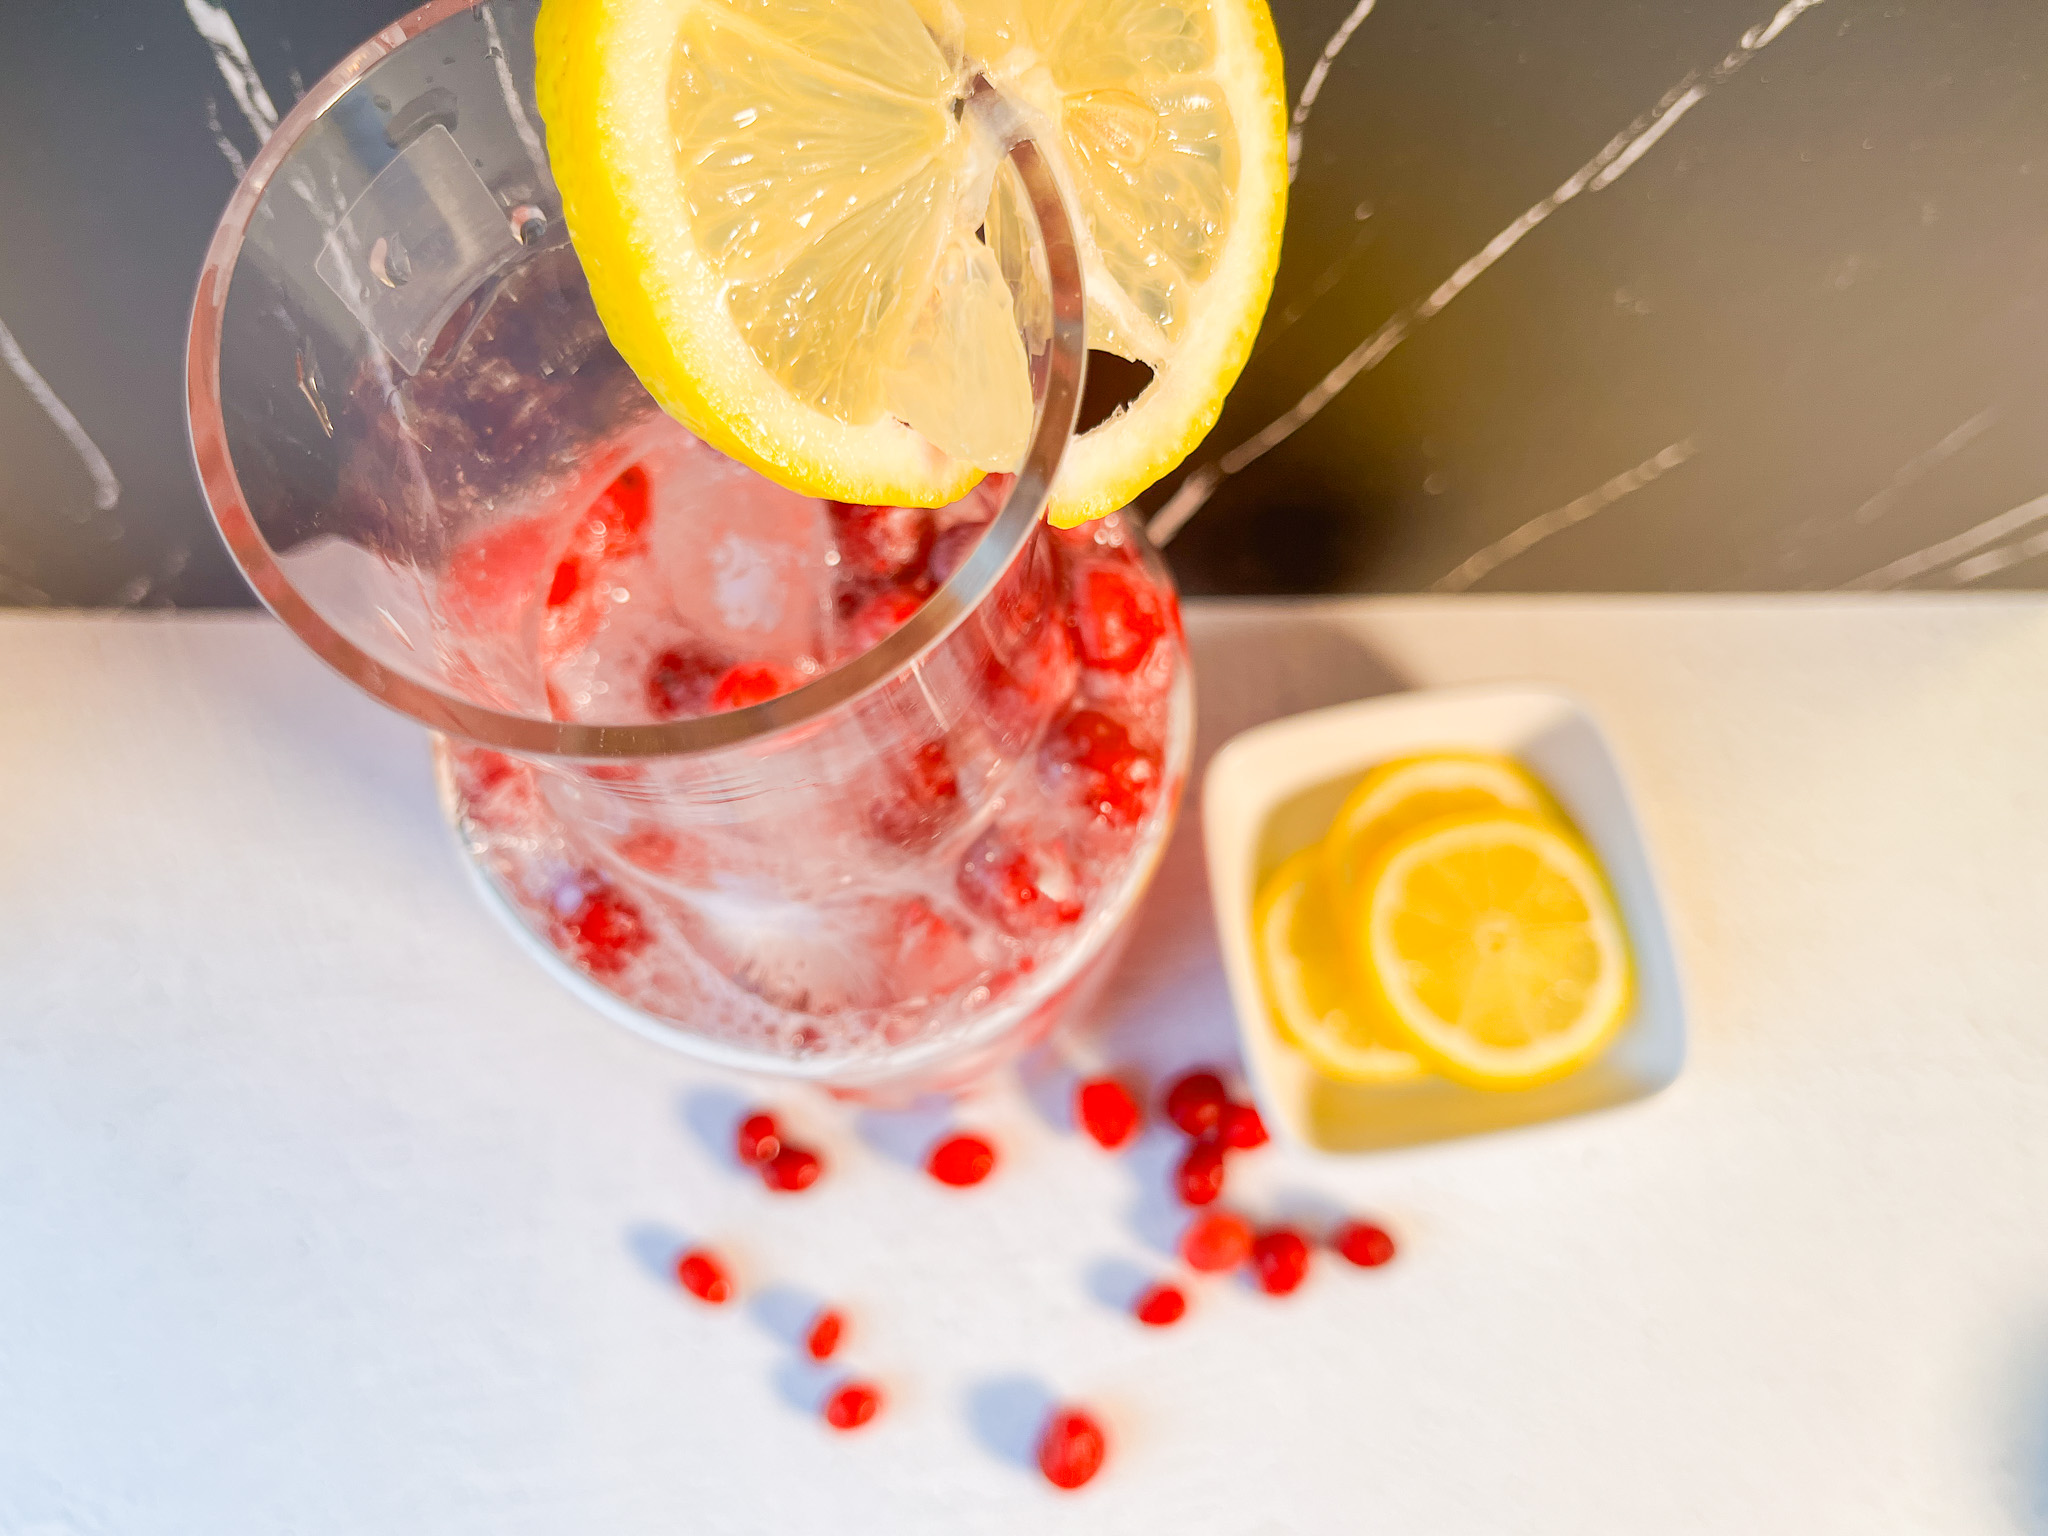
<point>1156,1214</point>
<point>906,1136</point>
<point>713,1115</point>
<point>654,1248</point>
<point>785,1313</point>
<point>1049,1085</point>
<point>1007,1416</point>
<point>1118,1283</point>
<point>1309,1211</point>
<point>804,1384</point>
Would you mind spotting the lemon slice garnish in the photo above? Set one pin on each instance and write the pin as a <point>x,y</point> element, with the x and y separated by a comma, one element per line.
<point>1309,991</point>
<point>1407,792</point>
<point>781,211</point>
<point>1493,949</point>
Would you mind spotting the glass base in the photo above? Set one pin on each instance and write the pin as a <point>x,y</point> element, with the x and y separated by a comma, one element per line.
<point>946,1064</point>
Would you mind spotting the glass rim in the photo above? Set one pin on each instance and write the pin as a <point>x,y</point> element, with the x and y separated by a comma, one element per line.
<point>1057,404</point>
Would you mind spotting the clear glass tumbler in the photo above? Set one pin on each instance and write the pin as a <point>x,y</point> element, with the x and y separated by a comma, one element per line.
<point>856,794</point>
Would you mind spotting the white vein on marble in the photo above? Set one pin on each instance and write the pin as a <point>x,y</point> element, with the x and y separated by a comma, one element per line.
<point>1977,567</point>
<point>1597,174</point>
<point>231,58</point>
<point>1314,85</point>
<point>15,589</point>
<point>1969,541</point>
<point>1919,465</point>
<point>222,142</point>
<point>1537,529</point>
<point>522,125</point>
<point>106,489</point>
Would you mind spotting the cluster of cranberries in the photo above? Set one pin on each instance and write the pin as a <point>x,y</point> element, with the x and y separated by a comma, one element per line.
<point>1071,1444</point>
<point>1217,1241</point>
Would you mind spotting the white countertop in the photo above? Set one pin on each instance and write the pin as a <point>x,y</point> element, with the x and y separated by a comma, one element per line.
<point>322,1210</point>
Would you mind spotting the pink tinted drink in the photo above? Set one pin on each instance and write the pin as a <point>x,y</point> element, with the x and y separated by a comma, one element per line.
<point>920,878</point>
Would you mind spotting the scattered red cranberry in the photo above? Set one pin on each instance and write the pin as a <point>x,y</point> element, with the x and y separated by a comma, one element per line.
<point>759,1139</point>
<point>852,1405</point>
<point>1280,1260</point>
<point>1160,1306</point>
<point>823,1338</point>
<point>1242,1129</point>
<point>792,1169</point>
<point>1199,1179</point>
<point>1107,1112</point>
<point>1071,1449</point>
<point>961,1161</point>
<point>704,1277</point>
<point>1196,1102</point>
<point>1363,1244</point>
<point>1216,1241</point>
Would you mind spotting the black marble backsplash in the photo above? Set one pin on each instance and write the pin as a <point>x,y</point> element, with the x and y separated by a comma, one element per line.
<point>1586,295</point>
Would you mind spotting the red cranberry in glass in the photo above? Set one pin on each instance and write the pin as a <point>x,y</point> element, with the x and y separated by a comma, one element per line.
<point>1161,1306</point>
<point>1106,1111</point>
<point>1279,1260</point>
<point>752,682</point>
<point>1199,1178</point>
<point>852,1405</point>
<point>961,1161</point>
<point>1195,1103</point>
<point>880,617</point>
<point>611,530</point>
<point>603,930</point>
<point>1241,1128</point>
<point>879,541</point>
<point>1103,768</point>
<point>1363,1244</point>
<point>1023,884</point>
<point>1215,1241</point>
<point>704,1277</point>
<point>1071,1449</point>
<point>792,1170</point>
<point>759,1139</point>
<point>921,800</point>
<point>951,549</point>
<point>1116,617</point>
<point>680,681</point>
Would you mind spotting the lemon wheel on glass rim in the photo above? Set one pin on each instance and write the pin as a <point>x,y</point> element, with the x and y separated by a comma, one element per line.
<point>780,210</point>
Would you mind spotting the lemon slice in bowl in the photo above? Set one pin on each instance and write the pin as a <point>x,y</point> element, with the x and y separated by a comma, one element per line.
<point>780,210</point>
<point>1309,991</point>
<point>1493,948</point>
<point>1407,792</point>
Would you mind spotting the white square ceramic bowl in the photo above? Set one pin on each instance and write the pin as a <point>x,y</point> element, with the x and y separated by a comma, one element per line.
<point>1275,789</point>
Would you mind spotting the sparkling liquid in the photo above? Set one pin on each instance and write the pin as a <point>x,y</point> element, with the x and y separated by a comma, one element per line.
<point>922,874</point>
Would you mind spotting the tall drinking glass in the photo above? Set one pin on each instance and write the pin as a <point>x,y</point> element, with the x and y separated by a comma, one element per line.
<point>854,794</point>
